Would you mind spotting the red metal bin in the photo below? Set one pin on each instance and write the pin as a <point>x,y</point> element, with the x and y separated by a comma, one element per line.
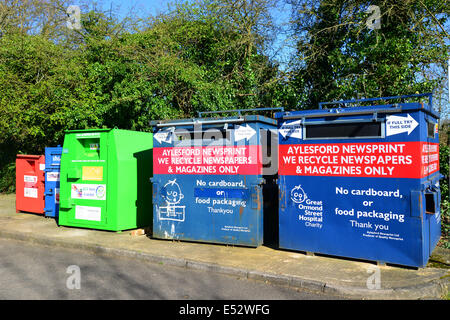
<point>30,180</point>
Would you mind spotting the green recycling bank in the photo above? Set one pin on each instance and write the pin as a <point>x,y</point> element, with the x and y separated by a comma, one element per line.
<point>105,179</point>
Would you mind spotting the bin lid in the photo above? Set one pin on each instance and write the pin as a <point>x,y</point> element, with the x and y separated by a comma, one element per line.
<point>360,110</point>
<point>211,121</point>
<point>353,111</point>
<point>87,130</point>
<point>240,118</point>
<point>29,156</point>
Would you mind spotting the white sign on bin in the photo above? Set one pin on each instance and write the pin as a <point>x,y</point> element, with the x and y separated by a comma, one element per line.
<point>32,179</point>
<point>88,213</point>
<point>398,124</point>
<point>30,193</point>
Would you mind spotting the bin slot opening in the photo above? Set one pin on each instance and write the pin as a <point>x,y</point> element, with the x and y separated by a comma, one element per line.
<point>430,203</point>
<point>430,129</point>
<point>343,130</point>
<point>89,148</point>
<point>31,165</point>
<point>214,134</point>
<point>269,143</point>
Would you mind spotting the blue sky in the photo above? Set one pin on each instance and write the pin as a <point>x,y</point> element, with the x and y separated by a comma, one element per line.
<point>280,50</point>
<point>152,7</point>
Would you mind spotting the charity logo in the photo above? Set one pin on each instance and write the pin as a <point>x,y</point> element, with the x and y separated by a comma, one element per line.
<point>77,191</point>
<point>100,192</point>
<point>88,191</point>
<point>298,195</point>
<point>56,159</point>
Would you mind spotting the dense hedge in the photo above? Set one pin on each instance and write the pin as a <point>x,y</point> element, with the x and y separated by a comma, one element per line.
<point>445,201</point>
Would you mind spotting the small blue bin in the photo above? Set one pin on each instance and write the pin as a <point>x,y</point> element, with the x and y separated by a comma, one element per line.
<point>52,169</point>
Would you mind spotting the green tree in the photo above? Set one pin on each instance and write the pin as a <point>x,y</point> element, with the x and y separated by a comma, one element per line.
<point>123,73</point>
<point>340,57</point>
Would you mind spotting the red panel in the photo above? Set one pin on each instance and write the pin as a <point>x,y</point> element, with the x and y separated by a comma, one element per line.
<point>30,183</point>
<point>229,160</point>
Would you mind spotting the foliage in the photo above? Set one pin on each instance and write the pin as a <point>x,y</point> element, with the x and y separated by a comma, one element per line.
<point>194,58</point>
<point>444,158</point>
<point>339,57</point>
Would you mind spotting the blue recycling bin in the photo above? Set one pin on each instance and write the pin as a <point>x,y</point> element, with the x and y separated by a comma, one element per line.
<point>212,178</point>
<point>362,181</point>
<point>52,169</point>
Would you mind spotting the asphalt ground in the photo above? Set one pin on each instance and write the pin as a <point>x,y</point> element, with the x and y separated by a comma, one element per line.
<point>31,271</point>
<point>322,275</point>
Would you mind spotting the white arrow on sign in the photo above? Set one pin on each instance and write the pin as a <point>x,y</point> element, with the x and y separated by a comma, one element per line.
<point>244,132</point>
<point>397,124</point>
<point>291,129</point>
<point>163,136</point>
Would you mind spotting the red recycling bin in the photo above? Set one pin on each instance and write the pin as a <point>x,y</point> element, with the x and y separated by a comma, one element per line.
<point>30,187</point>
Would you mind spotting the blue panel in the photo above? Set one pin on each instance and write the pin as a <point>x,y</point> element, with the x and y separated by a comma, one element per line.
<point>347,217</point>
<point>189,216</point>
<point>52,170</point>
